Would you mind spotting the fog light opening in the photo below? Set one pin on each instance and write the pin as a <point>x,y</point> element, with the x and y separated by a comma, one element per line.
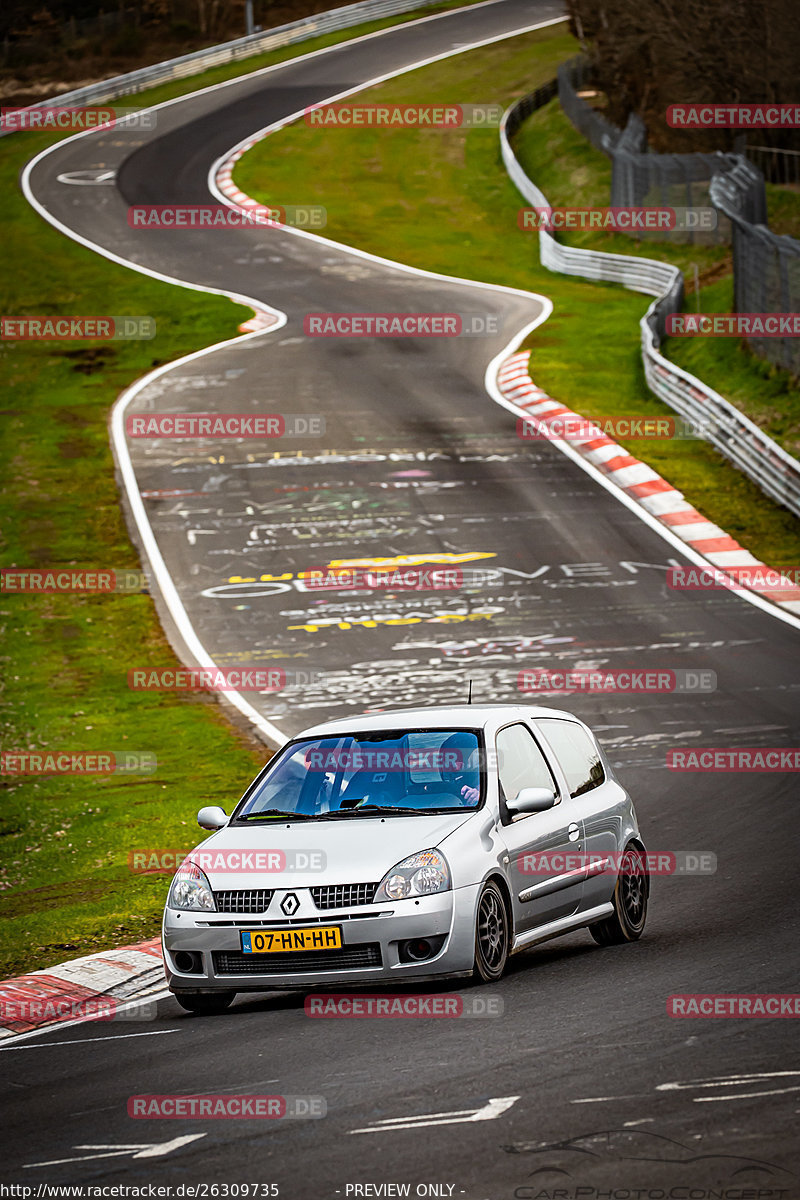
<point>188,962</point>
<point>416,950</point>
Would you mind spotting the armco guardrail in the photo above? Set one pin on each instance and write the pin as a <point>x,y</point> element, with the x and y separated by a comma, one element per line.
<point>713,417</point>
<point>244,47</point>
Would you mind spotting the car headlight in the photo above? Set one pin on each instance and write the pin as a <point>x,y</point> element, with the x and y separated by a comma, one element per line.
<point>420,875</point>
<point>191,889</point>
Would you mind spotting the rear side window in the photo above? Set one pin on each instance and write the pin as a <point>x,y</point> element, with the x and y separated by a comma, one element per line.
<point>576,752</point>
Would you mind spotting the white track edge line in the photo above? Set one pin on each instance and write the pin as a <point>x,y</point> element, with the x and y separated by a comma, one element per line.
<point>605,481</point>
<point>169,592</point>
<point>10,1042</point>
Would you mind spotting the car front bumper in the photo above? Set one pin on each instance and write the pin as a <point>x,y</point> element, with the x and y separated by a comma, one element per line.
<point>370,954</point>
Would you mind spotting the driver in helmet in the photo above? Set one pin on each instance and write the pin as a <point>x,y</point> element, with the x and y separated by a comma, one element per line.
<point>460,767</point>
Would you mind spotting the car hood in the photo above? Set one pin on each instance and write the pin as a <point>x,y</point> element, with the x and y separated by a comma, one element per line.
<point>351,849</point>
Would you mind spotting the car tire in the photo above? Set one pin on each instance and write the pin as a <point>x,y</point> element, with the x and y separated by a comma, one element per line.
<point>626,924</point>
<point>205,1002</point>
<point>491,935</point>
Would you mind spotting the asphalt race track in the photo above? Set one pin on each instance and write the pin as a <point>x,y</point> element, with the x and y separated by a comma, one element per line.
<point>603,1089</point>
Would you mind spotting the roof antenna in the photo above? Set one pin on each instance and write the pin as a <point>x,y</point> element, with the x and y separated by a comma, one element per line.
<point>469,697</point>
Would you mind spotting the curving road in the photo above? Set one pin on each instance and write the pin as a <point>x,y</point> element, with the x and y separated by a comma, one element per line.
<point>418,460</point>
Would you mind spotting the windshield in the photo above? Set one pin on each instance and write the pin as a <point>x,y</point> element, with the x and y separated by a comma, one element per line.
<point>362,774</point>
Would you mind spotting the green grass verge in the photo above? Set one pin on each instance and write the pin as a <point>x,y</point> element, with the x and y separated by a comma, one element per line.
<point>65,887</point>
<point>65,884</point>
<point>441,199</point>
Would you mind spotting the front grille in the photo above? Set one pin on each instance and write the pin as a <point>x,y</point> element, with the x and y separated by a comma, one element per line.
<point>232,962</point>
<point>344,895</point>
<point>253,900</point>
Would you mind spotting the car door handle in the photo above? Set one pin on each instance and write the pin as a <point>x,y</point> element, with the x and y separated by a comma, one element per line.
<point>574,832</point>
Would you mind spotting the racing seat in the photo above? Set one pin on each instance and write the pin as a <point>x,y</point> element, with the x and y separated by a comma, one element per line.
<point>374,787</point>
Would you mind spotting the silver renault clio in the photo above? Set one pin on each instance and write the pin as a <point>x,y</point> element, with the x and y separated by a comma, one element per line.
<point>404,846</point>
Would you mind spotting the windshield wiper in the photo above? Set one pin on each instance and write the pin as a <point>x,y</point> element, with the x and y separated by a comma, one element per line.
<point>269,813</point>
<point>368,808</point>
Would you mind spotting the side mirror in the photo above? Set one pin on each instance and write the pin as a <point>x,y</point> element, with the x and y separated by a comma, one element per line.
<point>212,817</point>
<point>532,800</point>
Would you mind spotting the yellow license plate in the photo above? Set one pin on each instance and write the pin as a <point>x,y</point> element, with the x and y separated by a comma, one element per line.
<point>279,941</point>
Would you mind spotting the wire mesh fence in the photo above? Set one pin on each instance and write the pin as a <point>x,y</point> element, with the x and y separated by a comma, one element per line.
<point>766,266</point>
<point>776,165</point>
<point>639,178</point>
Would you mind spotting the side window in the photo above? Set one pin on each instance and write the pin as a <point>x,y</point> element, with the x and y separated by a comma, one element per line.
<point>520,762</point>
<point>576,752</point>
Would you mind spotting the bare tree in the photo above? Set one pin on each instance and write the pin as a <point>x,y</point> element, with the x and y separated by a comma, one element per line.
<point>648,54</point>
